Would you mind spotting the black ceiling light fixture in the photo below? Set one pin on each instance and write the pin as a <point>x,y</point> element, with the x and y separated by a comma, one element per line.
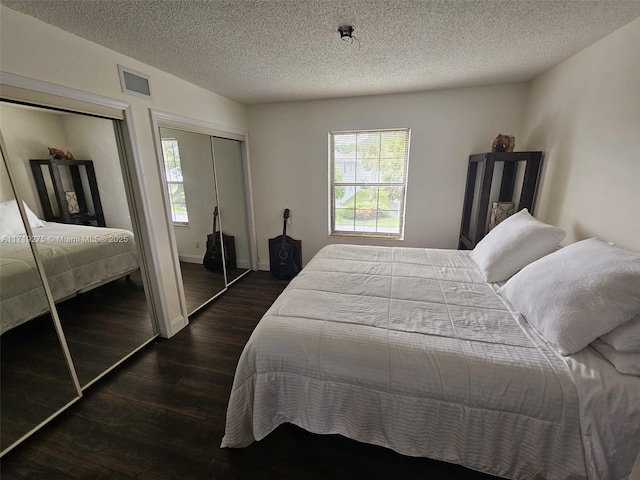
<point>346,34</point>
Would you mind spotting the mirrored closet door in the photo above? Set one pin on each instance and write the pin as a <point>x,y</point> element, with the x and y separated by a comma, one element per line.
<point>204,181</point>
<point>85,237</point>
<point>232,195</point>
<point>193,200</point>
<point>35,378</point>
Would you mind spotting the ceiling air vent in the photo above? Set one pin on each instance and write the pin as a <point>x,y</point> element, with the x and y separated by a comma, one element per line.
<point>134,83</point>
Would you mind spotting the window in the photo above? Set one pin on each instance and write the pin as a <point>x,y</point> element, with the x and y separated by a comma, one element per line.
<point>175,182</point>
<point>368,180</point>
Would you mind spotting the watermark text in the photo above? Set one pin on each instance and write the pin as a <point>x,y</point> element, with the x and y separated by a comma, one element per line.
<point>65,239</point>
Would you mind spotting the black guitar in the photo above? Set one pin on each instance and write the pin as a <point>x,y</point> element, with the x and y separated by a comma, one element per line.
<point>213,256</point>
<point>283,264</point>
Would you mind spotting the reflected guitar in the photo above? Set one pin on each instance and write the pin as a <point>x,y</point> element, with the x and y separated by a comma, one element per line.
<point>213,256</point>
<point>283,264</point>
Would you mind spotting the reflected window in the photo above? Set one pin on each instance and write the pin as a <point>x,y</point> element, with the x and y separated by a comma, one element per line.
<point>368,178</point>
<point>175,182</point>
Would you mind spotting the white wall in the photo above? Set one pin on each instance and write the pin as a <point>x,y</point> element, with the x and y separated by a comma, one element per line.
<point>27,134</point>
<point>289,155</point>
<point>34,49</point>
<point>6,189</point>
<point>90,138</point>
<point>585,115</point>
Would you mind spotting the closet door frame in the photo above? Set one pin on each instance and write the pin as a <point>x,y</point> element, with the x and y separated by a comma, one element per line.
<point>15,88</point>
<point>179,122</point>
<point>23,90</point>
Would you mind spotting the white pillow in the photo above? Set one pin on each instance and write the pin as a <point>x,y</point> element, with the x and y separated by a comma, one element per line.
<point>625,362</point>
<point>11,222</point>
<point>578,293</point>
<point>626,337</point>
<point>513,244</point>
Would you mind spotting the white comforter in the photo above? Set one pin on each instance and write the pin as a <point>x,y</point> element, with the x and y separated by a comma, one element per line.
<point>75,258</point>
<point>409,349</point>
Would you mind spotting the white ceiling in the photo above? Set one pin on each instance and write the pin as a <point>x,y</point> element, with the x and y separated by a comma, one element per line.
<point>278,50</point>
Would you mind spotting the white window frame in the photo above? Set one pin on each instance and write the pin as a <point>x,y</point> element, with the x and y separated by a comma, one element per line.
<point>333,231</point>
<point>174,182</point>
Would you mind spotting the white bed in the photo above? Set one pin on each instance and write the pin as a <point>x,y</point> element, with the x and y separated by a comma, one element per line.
<point>413,350</point>
<point>76,258</point>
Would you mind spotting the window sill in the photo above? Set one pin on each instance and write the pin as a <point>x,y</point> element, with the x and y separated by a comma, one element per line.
<point>367,235</point>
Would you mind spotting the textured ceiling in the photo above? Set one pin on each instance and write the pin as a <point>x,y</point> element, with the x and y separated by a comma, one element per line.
<point>273,51</point>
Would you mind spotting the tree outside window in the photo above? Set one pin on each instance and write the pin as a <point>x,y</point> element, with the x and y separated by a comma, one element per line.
<point>368,176</point>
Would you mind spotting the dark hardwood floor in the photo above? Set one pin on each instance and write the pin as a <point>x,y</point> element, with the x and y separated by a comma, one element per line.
<point>105,324</point>
<point>161,416</point>
<point>101,327</point>
<point>200,284</point>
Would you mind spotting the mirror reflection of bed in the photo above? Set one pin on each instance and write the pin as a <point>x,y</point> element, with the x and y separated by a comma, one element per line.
<point>34,379</point>
<point>94,273</point>
<point>202,174</point>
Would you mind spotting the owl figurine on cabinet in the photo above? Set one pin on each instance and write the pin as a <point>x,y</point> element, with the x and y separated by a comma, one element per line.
<point>503,143</point>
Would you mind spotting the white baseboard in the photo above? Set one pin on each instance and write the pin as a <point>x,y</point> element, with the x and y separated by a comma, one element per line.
<point>177,324</point>
<point>198,259</point>
<point>189,258</point>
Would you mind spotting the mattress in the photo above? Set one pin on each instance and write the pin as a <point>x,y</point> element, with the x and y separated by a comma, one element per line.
<point>75,258</point>
<point>412,350</point>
